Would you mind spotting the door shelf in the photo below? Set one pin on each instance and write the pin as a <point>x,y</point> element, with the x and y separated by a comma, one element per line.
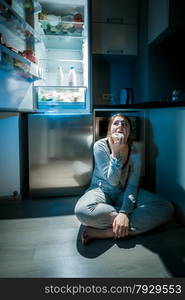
<point>15,23</point>
<point>11,61</point>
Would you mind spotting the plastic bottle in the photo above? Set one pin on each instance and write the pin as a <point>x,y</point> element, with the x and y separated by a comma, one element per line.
<point>72,77</point>
<point>60,77</point>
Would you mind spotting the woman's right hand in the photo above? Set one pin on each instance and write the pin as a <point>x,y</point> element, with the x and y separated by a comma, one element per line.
<point>120,226</point>
<point>116,145</point>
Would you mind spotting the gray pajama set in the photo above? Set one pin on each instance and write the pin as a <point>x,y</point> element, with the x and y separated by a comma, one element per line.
<point>115,189</point>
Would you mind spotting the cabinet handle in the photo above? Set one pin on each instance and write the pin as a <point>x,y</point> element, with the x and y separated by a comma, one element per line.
<point>115,20</point>
<point>111,51</point>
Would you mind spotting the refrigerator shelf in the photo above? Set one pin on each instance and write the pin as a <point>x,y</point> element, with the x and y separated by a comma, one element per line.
<point>62,42</point>
<point>52,65</point>
<point>61,28</point>
<point>14,22</point>
<point>10,60</point>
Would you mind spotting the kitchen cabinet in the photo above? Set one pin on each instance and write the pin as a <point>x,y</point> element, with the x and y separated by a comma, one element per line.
<point>167,173</point>
<point>119,11</point>
<point>12,156</point>
<point>114,39</point>
<point>114,27</point>
<point>169,20</point>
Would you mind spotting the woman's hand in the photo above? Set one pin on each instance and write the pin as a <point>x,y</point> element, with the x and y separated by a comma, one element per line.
<point>116,145</point>
<point>120,225</point>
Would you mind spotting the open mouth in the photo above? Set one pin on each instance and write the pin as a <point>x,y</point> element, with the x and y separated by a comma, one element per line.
<point>121,132</point>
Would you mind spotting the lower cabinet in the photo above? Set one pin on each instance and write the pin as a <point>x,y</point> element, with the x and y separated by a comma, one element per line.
<point>13,156</point>
<point>9,156</point>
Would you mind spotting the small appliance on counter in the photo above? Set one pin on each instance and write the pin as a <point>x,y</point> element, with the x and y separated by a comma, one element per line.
<point>178,96</point>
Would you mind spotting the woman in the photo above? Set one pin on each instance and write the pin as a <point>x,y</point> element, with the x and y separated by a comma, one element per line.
<point>114,206</point>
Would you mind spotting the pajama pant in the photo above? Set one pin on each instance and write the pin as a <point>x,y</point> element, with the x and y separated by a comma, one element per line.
<point>98,209</point>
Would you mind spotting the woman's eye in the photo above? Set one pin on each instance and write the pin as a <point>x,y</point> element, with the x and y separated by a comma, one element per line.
<point>124,124</point>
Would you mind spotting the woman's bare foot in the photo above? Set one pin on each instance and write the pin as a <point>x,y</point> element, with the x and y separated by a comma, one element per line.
<point>85,238</point>
<point>91,233</point>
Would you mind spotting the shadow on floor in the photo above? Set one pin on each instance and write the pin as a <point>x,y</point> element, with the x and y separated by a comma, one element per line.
<point>167,242</point>
<point>38,207</point>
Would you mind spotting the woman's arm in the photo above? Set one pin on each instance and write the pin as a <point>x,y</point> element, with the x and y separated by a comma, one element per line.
<point>108,166</point>
<point>131,189</point>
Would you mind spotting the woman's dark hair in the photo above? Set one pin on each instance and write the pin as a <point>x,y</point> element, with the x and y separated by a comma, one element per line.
<point>111,120</point>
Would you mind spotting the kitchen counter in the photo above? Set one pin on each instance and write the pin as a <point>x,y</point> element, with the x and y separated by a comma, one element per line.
<point>142,105</point>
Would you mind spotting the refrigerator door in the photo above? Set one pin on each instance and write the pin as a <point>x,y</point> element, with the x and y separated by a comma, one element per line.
<point>60,154</point>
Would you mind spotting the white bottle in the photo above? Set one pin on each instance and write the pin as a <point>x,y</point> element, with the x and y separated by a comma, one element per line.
<point>60,77</point>
<point>72,77</point>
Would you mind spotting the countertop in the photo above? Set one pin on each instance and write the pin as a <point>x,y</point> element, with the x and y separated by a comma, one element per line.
<point>142,105</point>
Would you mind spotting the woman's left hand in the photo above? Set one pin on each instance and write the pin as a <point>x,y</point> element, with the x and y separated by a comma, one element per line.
<point>120,225</point>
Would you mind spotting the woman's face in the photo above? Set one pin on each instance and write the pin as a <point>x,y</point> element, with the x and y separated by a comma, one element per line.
<point>120,125</point>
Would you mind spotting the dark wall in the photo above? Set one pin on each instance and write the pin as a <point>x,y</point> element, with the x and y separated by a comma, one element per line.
<point>167,67</point>
<point>140,79</point>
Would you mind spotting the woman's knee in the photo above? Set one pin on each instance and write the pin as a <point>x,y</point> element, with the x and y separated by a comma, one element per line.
<point>88,202</point>
<point>147,217</point>
<point>84,209</point>
<point>94,214</point>
<point>81,208</point>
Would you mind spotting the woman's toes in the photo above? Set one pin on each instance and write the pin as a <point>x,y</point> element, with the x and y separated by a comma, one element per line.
<point>85,238</point>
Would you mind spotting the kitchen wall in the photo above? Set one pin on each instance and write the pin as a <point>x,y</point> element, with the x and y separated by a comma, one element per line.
<point>166,67</point>
<point>109,77</point>
<point>123,79</point>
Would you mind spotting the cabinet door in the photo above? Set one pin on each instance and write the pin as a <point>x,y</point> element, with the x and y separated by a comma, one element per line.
<point>158,18</point>
<point>9,156</point>
<point>114,39</point>
<point>119,11</point>
<point>165,16</point>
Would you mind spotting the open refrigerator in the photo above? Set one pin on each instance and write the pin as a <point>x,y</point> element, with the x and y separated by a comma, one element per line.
<point>63,28</point>
<point>60,132</point>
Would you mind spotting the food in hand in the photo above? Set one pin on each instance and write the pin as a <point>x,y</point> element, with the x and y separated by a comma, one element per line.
<point>117,136</point>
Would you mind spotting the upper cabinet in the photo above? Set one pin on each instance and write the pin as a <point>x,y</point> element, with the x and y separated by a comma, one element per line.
<point>119,11</point>
<point>114,27</point>
<point>116,39</point>
<point>164,17</point>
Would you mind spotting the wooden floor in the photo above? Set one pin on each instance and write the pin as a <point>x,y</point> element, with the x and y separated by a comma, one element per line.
<point>41,238</point>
